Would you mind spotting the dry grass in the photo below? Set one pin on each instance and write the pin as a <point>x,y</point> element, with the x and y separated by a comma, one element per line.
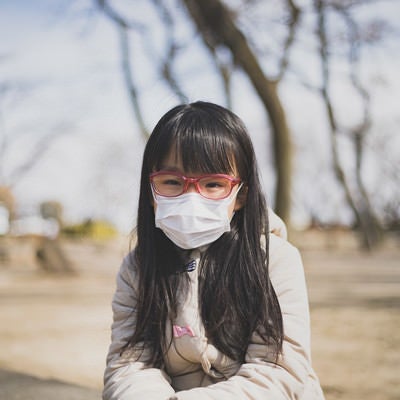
<point>58,327</point>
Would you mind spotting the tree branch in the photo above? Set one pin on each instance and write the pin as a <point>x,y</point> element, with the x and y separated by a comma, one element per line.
<point>359,132</point>
<point>365,219</point>
<point>40,147</point>
<point>294,17</point>
<point>128,76</point>
<point>167,64</point>
<point>214,22</point>
<point>323,52</point>
<point>117,18</point>
<point>123,27</point>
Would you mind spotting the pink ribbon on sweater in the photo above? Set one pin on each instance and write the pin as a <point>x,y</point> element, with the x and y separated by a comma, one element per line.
<point>180,331</point>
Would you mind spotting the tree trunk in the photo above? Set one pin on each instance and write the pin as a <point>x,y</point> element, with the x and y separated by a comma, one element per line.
<point>358,199</point>
<point>217,27</point>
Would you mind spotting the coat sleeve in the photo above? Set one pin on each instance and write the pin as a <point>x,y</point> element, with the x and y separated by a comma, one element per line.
<point>126,377</point>
<point>259,377</point>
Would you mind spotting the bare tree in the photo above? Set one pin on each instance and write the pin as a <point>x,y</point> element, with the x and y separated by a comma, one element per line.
<point>235,48</point>
<point>218,28</point>
<point>357,199</point>
<point>219,31</point>
<point>164,64</point>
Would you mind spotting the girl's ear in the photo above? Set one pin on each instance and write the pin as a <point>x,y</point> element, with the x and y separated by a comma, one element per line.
<point>241,198</point>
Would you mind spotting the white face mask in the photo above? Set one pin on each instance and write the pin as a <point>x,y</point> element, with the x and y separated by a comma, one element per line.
<point>191,220</point>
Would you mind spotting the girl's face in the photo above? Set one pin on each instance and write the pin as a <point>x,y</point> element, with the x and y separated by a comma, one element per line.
<point>173,163</point>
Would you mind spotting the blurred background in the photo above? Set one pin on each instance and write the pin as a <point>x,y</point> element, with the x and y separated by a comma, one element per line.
<point>82,84</point>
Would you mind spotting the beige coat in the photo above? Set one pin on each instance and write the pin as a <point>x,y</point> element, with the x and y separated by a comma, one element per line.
<point>195,369</point>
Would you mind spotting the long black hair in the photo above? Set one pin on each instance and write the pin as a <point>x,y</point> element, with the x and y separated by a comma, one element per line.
<point>236,297</point>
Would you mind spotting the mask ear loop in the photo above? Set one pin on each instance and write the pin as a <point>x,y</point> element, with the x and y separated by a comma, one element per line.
<point>152,191</point>
<point>239,187</point>
<point>233,197</point>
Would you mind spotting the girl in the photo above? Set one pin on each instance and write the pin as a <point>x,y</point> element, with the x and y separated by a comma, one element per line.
<point>212,303</point>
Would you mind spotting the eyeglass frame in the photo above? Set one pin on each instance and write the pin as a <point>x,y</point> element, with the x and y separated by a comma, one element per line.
<point>195,181</point>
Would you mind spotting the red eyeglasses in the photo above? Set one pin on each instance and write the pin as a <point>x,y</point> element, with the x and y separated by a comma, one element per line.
<point>210,186</point>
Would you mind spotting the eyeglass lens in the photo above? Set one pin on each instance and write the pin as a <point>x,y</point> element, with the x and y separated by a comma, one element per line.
<point>213,187</point>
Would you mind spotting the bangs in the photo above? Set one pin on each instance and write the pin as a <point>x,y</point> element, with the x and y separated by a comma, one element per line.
<point>202,152</point>
<point>200,145</point>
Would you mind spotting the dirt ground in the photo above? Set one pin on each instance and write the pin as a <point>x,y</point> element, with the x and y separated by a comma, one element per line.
<point>58,327</point>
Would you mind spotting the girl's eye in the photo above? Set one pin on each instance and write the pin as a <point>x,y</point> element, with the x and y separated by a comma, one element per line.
<point>212,185</point>
<point>215,184</point>
<point>171,182</point>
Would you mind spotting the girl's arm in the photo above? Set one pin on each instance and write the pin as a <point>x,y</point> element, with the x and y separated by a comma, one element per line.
<point>126,376</point>
<point>259,378</point>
